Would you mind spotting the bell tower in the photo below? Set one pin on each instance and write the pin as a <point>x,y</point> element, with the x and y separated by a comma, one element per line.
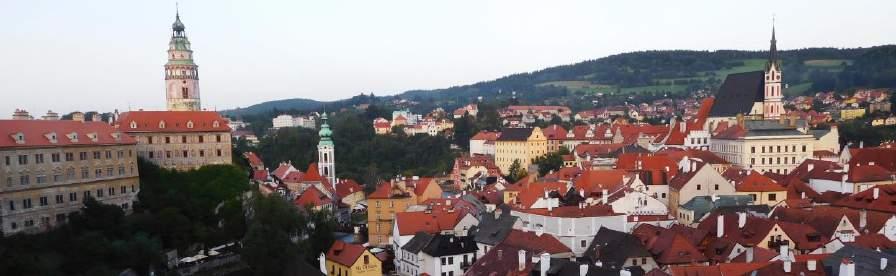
<point>772,105</point>
<point>326,160</point>
<point>181,74</point>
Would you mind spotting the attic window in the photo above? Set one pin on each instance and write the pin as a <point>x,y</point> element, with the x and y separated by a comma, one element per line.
<point>215,124</point>
<point>161,124</point>
<point>51,137</point>
<point>116,136</point>
<point>93,137</point>
<point>190,124</point>
<point>72,137</point>
<point>133,124</point>
<point>19,137</point>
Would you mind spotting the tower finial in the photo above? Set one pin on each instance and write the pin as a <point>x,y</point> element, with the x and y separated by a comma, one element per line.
<point>177,9</point>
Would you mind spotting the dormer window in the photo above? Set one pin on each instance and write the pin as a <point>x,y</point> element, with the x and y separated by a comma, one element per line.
<point>93,137</point>
<point>51,137</point>
<point>19,137</point>
<point>133,124</point>
<point>189,124</point>
<point>73,137</point>
<point>116,136</point>
<point>161,124</point>
<point>215,124</point>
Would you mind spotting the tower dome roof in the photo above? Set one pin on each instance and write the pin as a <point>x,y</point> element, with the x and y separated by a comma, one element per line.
<point>177,26</point>
<point>325,131</point>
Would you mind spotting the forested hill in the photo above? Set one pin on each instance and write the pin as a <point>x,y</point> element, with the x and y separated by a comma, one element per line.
<point>651,74</point>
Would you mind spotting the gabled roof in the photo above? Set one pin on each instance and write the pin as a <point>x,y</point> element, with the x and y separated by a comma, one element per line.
<point>683,178</point>
<point>554,132</point>
<point>613,248</point>
<point>347,186</point>
<point>39,133</point>
<point>486,135</point>
<point>418,242</point>
<point>312,196</point>
<point>172,121</point>
<point>429,222</point>
<point>701,205</point>
<point>867,261</point>
<point>738,93</point>
<point>253,158</point>
<point>757,182</point>
<point>884,157</point>
<point>531,241</point>
<point>492,229</point>
<point>886,201</point>
<point>449,245</point>
<point>502,260</point>
<point>515,134</point>
<point>345,253</point>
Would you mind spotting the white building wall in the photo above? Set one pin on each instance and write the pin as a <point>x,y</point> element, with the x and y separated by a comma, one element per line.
<point>570,231</point>
<point>283,121</point>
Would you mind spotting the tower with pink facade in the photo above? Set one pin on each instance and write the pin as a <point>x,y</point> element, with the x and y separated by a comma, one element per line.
<point>181,73</point>
<point>773,106</point>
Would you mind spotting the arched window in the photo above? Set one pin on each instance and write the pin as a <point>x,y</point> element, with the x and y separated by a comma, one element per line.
<point>162,124</point>
<point>133,124</point>
<point>185,92</point>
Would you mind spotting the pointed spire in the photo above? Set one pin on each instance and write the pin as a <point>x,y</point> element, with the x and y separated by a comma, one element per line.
<point>773,48</point>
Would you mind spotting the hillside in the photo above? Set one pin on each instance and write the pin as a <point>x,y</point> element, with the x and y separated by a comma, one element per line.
<point>647,75</point>
<point>265,107</point>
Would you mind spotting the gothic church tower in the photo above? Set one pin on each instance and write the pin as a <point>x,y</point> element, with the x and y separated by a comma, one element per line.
<point>772,106</point>
<point>181,74</point>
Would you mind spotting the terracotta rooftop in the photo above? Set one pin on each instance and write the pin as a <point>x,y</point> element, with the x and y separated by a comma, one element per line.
<point>59,133</point>
<point>345,253</point>
<point>172,121</point>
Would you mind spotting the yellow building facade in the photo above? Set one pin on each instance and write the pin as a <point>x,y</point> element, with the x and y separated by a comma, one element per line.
<point>519,144</point>
<point>345,259</point>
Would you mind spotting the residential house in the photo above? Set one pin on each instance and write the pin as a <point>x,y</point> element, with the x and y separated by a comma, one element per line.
<point>698,179</point>
<point>392,197</point>
<point>351,260</point>
<point>615,249</point>
<point>521,145</point>
<point>483,143</point>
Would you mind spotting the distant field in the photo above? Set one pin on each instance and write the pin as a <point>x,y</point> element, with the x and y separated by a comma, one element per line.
<point>827,62</point>
<point>797,90</point>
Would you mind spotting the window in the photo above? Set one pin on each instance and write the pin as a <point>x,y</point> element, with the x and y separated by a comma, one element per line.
<point>218,138</point>
<point>804,148</point>
<point>366,259</point>
<point>60,217</point>
<point>444,261</point>
<point>55,157</point>
<point>582,243</point>
<point>24,179</point>
<point>26,203</point>
<point>201,153</point>
<point>185,154</point>
<point>57,178</point>
<point>72,196</point>
<point>9,181</point>
<point>108,154</point>
<point>60,199</point>
<point>201,138</point>
<point>69,156</point>
<point>219,152</point>
<point>149,139</point>
<point>752,161</point>
<point>184,92</point>
<point>98,173</point>
<point>99,192</point>
<point>120,154</point>
<point>152,155</point>
<point>124,189</point>
<point>39,158</point>
<point>85,173</point>
<point>12,205</point>
<point>698,187</point>
<point>717,187</point>
<point>109,171</point>
<point>23,159</point>
<point>167,140</point>
<point>43,201</point>
<point>772,197</point>
<point>450,260</point>
<point>82,155</point>
<point>41,179</point>
<point>111,191</point>
<point>168,154</point>
<point>7,160</point>
<point>121,170</point>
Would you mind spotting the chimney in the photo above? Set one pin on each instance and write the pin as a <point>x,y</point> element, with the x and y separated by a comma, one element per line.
<point>749,253</point>
<point>522,260</point>
<point>846,167</point>
<point>625,272</point>
<point>809,167</point>
<point>861,144</point>
<point>876,192</point>
<point>582,192</point>
<point>803,195</point>
<point>681,126</point>
<point>720,226</point>
<point>740,119</point>
<point>847,267</point>
<point>741,220</point>
<point>21,114</point>
<point>545,263</point>
<point>811,265</point>
<point>782,120</point>
<point>539,231</point>
<point>500,254</point>
<point>883,263</point>
<point>793,120</point>
<point>583,269</point>
<point>693,166</point>
<point>604,197</point>
<point>863,219</point>
<point>323,263</point>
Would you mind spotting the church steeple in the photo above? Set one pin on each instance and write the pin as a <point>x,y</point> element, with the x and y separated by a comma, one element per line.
<point>773,50</point>
<point>326,156</point>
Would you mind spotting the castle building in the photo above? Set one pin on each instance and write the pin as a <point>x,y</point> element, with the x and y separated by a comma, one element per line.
<point>521,145</point>
<point>48,168</point>
<point>184,137</point>
<point>325,150</point>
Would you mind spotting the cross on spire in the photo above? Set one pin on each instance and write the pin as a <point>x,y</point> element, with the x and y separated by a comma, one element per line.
<point>773,48</point>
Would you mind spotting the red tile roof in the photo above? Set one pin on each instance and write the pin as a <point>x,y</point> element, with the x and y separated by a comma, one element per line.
<point>594,182</point>
<point>409,223</point>
<point>312,196</point>
<point>661,168</point>
<point>572,211</point>
<point>35,133</point>
<point>756,182</point>
<point>502,260</point>
<point>347,187</point>
<point>683,178</point>
<point>260,175</point>
<point>530,241</point>
<point>254,160</point>
<point>886,201</point>
<point>174,121</point>
<point>884,157</point>
<point>345,253</point>
<point>704,155</point>
<point>554,132</point>
<point>596,150</point>
<point>486,135</point>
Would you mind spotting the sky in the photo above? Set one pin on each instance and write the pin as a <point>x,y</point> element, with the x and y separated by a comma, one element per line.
<point>105,55</point>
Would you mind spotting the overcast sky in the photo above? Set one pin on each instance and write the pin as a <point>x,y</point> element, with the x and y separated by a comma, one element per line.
<point>103,55</point>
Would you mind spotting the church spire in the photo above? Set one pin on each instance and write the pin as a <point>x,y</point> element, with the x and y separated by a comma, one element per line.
<point>773,49</point>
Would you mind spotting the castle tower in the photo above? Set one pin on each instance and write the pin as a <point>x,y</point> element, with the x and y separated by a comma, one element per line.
<point>772,106</point>
<point>326,160</point>
<point>181,74</point>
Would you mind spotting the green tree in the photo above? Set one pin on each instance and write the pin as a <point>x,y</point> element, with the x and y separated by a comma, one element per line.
<point>516,172</point>
<point>551,161</point>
